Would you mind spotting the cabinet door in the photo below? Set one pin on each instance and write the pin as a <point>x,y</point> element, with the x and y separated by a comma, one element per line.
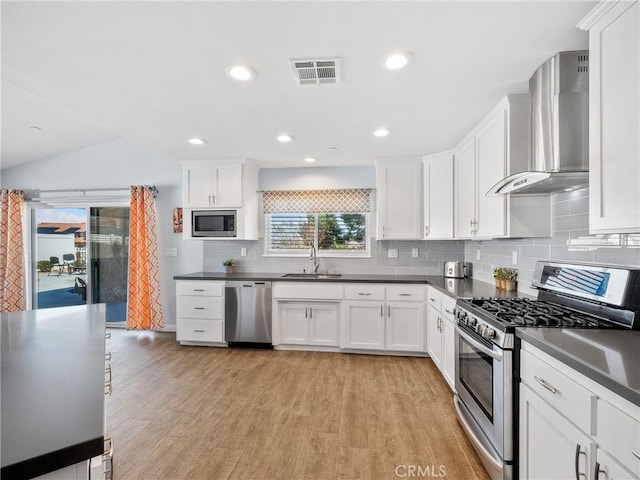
<point>614,121</point>
<point>228,186</point>
<point>294,323</point>
<point>197,185</point>
<point>438,196</point>
<point>323,324</point>
<point>491,160</point>
<point>434,337</point>
<point>405,326</point>
<point>608,469</point>
<point>448,354</point>
<point>399,200</point>
<point>551,447</point>
<point>465,191</point>
<point>363,326</point>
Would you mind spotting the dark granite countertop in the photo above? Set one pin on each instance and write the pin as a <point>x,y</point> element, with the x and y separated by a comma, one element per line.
<point>459,288</point>
<point>609,357</point>
<point>52,392</point>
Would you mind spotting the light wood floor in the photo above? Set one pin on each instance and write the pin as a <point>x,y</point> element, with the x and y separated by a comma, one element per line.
<point>211,413</point>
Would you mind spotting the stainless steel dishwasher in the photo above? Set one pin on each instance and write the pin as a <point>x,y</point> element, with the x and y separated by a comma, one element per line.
<point>248,314</point>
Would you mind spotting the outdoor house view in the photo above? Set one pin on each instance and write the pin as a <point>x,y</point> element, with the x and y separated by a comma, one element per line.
<point>69,273</point>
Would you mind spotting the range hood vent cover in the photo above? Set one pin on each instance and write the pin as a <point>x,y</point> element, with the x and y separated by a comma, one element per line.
<point>559,141</point>
<point>317,72</point>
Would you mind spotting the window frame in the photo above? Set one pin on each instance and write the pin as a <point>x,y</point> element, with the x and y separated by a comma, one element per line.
<point>366,253</point>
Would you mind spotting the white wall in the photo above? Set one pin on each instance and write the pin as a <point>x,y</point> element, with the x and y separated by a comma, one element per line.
<point>118,164</point>
<point>54,245</point>
<point>316,178</point>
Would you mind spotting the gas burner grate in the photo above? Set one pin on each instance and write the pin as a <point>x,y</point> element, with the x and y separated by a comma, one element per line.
<point>537,313</point>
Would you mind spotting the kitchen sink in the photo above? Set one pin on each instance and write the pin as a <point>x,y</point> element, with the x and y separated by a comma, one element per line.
<point>312,275</point>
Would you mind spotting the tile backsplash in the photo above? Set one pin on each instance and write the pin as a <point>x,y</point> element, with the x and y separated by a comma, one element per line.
<point>430,261</point>
<point>570,241</point>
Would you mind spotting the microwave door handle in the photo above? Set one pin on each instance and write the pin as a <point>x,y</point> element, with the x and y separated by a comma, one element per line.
<point>478,345</point>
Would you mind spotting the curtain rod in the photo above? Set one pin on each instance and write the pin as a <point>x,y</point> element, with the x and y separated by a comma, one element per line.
<point>79,190</point>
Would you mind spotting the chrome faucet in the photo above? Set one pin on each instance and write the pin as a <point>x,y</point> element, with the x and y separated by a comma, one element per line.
<point>314,256</point>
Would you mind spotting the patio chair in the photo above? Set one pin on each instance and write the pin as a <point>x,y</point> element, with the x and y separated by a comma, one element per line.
<point>67,260</point>
<point>55,262</point>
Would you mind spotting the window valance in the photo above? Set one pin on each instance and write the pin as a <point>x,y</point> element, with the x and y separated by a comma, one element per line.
<point>355,200</point>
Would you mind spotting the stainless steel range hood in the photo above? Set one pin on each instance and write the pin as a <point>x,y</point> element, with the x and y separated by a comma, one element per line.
<point>559,159</point>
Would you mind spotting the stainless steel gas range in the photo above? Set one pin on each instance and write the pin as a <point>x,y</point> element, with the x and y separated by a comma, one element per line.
<point>569,296</point>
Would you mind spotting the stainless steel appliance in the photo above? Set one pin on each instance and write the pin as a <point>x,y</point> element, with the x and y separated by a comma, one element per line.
<point>248,314</point>
<point>569,296</point>
<point>559,92</point>
<point>455,269</point>
<point>213,223</point>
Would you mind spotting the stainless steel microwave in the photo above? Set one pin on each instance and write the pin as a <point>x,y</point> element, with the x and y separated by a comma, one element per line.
<point>213,223</point>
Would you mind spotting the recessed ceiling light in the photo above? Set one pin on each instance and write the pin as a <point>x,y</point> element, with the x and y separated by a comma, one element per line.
<point>381,132</point>
<point>284,138</point>
<point>240,72</point>
<point>309,159</point>
<point>197,141</point>
<point>396,61</point>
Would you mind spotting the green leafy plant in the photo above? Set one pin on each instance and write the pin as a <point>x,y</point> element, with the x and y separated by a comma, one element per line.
<point>510,274</point>
<point>229,262</point>
<point>44,265</point>
<point>499,273</point>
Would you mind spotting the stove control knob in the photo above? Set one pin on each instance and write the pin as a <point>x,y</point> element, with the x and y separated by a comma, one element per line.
<point>489,333</point>
<point>480,329</point>
<point>471,321</point>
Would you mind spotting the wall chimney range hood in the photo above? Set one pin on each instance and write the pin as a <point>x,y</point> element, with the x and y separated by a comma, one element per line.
<point>559,160</point>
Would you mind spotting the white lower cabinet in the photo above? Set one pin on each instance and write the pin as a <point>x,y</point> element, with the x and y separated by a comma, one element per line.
<point>396,324</point>
<point>200,312</point>
<point>571,426</point>
<point>363,325</point>
<point>304,323</point>
<point>551,447</point>
<point>440,335</point>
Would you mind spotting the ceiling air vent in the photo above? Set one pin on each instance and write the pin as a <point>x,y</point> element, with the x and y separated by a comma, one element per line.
<point>316,71</point>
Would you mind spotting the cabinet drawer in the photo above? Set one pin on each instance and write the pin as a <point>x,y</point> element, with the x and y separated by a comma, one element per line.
<point>190,330</point>
<point>364,292</point>
<point>406,293</point>
<point>568,397</point>
<point>619,435</point>
<point>308,290</point>
<point>200,307</point>
<point>434,298</point>
<point>203,289</point>
<point>448,304</point>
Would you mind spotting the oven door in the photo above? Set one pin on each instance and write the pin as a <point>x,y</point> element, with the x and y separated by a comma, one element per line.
<point>484,388</point>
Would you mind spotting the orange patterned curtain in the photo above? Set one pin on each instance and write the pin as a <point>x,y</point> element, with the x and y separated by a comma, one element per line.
<point>12,280</point>
<point>144,311</point>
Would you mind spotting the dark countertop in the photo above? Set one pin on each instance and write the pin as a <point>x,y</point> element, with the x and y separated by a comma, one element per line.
<point>52,391</point>
<point>459,288</point>
<point>609,357</point>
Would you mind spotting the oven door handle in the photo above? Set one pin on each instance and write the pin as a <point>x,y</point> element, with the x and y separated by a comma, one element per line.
<point>478,345</point>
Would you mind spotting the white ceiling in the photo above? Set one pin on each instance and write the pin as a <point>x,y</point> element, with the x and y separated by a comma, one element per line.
<point>154,72</point>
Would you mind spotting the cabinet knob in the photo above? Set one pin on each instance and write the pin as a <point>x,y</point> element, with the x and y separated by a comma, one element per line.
<point>199,331</point>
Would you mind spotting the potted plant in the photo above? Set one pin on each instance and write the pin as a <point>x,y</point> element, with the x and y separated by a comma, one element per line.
<point>228,265</point>
<point>510,282</point>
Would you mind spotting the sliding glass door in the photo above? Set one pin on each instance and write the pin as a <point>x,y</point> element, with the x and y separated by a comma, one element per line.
<point>80,256</point>
<point>109,257</point>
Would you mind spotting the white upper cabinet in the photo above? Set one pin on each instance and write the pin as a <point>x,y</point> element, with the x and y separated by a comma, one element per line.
<point>614,117</point>
<point>496,148</point>
<point>465,190</point>
<point>438,196</point>
<point>221,185</point>
<point>212,185</point>
<point>399,199</point>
